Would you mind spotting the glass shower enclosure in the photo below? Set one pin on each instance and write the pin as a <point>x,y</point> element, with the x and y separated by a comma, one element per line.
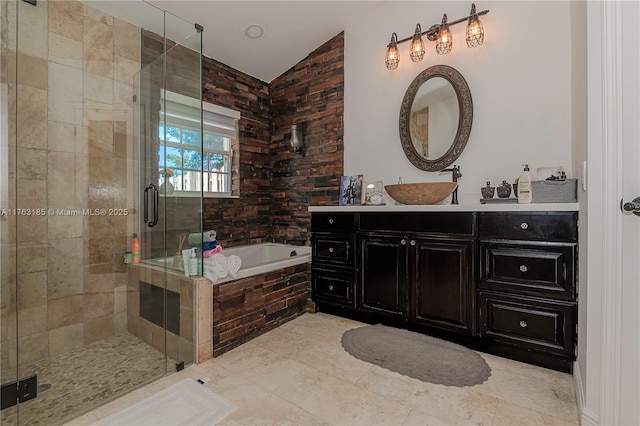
<point>82,92</point>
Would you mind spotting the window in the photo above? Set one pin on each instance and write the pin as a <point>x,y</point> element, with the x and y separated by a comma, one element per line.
<point>186,164</point>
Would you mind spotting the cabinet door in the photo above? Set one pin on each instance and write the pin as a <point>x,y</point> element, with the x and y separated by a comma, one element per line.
<point>383,287</point>
<point>443,285</point>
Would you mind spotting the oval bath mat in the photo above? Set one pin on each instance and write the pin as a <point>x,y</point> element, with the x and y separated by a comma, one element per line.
<point>416,355</point>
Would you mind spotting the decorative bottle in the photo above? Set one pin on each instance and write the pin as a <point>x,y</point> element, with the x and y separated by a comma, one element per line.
<point>135,249</point>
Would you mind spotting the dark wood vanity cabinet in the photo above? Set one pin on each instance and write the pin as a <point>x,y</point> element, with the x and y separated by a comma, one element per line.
<point>334,271</point>
<point>505,280</point>
<point>385,288</point>
<point>443,284</point>
<point>419,267</point>
<point>527,287</point>
<point>428,281</point>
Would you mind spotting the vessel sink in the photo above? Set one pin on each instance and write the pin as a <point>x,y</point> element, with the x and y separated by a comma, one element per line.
<point>421,193</point>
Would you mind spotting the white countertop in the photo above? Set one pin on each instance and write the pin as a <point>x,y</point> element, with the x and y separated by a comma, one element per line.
<point>464,207</point>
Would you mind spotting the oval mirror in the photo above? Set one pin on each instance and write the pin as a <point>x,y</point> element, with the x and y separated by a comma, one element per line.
<point>435,118</point>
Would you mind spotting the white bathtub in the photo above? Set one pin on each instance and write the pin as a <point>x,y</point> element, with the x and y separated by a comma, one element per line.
<point>256,259</point>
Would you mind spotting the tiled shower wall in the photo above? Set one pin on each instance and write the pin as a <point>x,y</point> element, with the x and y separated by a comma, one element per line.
<point>74,139</point>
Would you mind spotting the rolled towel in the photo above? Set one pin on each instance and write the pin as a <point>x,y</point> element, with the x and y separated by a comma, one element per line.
<point>208,270</point>
<point>211,253</point>
<point>234,265</point>
<point>198,237</point>
<point>209,245</point>
<point>220,265</point>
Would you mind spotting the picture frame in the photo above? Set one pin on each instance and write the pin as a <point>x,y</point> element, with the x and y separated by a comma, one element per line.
<point>372,193</point>
<point>350,190</point>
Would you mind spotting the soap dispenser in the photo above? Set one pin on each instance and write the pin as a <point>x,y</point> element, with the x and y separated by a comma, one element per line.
<point>525,186</point>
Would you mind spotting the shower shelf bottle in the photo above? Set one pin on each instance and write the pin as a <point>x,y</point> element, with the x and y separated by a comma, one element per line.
<point>135,249</point>
<point>525,194</point>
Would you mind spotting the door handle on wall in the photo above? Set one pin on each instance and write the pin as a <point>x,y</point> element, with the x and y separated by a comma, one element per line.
<point>154,222</point>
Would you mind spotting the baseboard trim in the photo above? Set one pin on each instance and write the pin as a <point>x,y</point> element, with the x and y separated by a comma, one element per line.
<point>585,415</point>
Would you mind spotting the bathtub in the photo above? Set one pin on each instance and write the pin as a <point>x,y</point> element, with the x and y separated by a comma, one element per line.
<point>256,259</point>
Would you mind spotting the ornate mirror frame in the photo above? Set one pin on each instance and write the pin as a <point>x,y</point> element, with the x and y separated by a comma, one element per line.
<point>465,105</point>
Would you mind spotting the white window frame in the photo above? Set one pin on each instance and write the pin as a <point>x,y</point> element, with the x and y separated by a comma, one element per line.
<point>184,112</point>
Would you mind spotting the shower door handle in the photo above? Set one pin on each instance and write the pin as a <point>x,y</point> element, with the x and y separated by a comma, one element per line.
<point>154,222</point>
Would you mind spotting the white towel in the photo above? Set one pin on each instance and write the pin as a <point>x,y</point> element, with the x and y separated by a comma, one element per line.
<point>209,236</point>
<point>208,270</point>
<point>220,265</point>
<point>234,265</point>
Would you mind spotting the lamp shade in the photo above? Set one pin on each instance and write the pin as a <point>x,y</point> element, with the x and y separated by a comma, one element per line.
<point>475,31</point>
<point>444,42</point>
<point>393,55</point>
<point>417,45</point>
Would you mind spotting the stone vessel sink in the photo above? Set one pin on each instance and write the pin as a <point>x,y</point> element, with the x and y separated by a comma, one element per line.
<point>421,193</point>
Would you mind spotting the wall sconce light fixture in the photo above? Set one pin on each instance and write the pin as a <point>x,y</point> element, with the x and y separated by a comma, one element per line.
<point>393,54</point>
<point>441,34</point>
<point>296,139</point>
<point>417,45</point>
<point>444,43</point>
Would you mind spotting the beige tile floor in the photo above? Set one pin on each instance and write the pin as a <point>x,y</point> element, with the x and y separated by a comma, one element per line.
<point>299,374</point>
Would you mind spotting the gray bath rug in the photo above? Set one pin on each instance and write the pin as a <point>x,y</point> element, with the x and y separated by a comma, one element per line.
<point>416,355</point>
<point>184,403</point>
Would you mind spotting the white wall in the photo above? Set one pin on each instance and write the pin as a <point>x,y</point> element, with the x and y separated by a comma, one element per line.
<point>520,82</point>
<point>578,156</point>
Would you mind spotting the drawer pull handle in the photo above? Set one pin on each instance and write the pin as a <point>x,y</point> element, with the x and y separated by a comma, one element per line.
<point>330,249</point>
<point>524,225</point>
<point>523,324</point>
<point>330,221</point>
<point>330,288</point>
<point>413,242</point>
<point>523,268</point>
<point>403,242</point>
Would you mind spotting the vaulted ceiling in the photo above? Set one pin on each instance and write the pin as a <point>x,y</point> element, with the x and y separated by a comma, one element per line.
<point>291,29</point>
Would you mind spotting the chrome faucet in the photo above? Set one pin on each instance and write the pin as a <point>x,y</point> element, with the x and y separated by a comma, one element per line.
<point>455,175</point>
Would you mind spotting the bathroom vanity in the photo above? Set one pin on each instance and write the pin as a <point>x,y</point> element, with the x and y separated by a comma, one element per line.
<point>496,278</point>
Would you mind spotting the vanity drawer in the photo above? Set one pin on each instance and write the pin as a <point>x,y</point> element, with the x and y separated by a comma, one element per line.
<point>333,287</point>
<point>449,223</point>
<point>544,270</point>
<point>329,222</point>
<point>547,226</point>
<point>332,249</point>
<point>527,322</point>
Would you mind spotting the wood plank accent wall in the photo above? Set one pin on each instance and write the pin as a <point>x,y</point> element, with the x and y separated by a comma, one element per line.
<point>244,220</point>
<point>276,186</point>
<point>248,307</point>
<point>311,95</point>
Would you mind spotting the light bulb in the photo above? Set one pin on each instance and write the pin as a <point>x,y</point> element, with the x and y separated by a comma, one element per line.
<point>417,45</point>
<point>393,55</point>
<point>475,32</point>
<point>444,43</point>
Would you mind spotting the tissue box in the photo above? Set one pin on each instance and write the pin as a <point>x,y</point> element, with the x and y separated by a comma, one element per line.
<point>555,191</point>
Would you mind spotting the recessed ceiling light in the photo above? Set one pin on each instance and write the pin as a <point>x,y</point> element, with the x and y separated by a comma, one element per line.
<point>254,31</point>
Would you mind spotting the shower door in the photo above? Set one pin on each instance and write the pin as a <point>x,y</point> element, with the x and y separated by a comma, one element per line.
<point>70,161</point>
<point>168,109</point>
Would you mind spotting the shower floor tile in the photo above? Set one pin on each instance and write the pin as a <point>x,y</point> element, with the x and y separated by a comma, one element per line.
<point>88,377</point>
